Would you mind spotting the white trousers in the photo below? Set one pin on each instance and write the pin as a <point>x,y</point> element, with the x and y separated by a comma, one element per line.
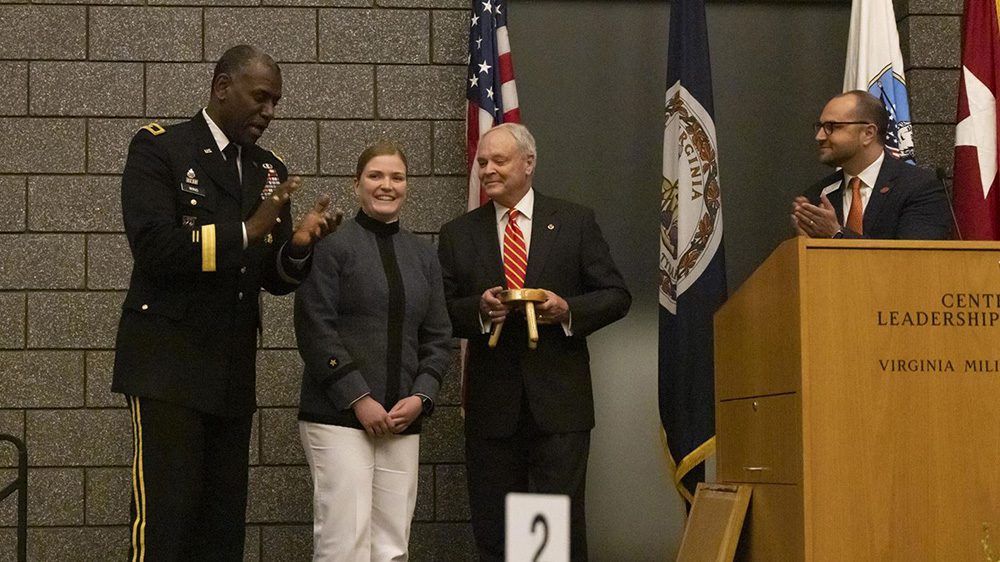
<point>364,492</point>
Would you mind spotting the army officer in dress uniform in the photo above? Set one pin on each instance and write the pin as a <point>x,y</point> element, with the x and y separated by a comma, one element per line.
<point>207,217</point>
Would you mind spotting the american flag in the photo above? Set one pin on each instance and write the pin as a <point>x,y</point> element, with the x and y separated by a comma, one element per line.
<point>489,89</point>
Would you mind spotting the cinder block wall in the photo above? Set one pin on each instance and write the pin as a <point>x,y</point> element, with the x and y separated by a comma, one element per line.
<point>79,78</point>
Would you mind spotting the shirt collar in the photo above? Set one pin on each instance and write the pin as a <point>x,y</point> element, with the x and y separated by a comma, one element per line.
<point>525,206</point>
<point>870,174</point>
<point>220,138</point>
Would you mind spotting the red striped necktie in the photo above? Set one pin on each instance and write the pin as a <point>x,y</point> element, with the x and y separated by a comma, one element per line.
<point>515,255</point>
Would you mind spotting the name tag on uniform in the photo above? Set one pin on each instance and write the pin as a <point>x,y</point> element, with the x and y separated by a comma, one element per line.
<point>193,189</point>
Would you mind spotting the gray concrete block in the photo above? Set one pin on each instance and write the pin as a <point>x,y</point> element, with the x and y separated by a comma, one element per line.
<point>204,2</point>
<point>424,510</point>
<point>434,201</point>
<point>55,497</point>
<point>75,204</point>
<point>420,92</point>
<point>13,191</point>
<point>457,4</point>
<point>177,90</point>
<point>295,142</point>
<point>903,8</point>
<point>13,312</point>
<point>432,542</point>
<point>73,320</point>
<point>251,547</point>
<point>341,142</point>
<point>280,495</point>
<point>339,189</point>
<point>933,95</point>
<point>450,36</point>
<point>89,95</point>
<point>41,379</point>
<point>287,34</point>
<point>108,495</point>
<point>280,442</point>
<point>145,34</point>
<point>451,493</point>
<point>279,330</point>
<point>109,261</point>
<point>391,36</point>
<point>11,423</point>
<point>15,98</point>
<point>79,544</point>
<point>449,148</point>
<point>99,366</point>
<point>42,261</point>
<point>28,145</point>
<point>43,32</point>
<point>441,437</point>
<point>935,144</point>
<point>254,459</point>
<point>931,41</point>
<point>79,437</point>
<point>328,91</point>
<point>279,377</point>
<point>286,542</point>
<point>450,393</point>
<point>107,143</point>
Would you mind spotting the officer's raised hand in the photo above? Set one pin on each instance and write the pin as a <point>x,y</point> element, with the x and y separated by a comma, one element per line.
<point>316,224</point>
<point>264,219</point>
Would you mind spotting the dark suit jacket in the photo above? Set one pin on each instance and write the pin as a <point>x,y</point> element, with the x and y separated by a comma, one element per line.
<point>188,331</point>
<point>568,255</point>
<point>907,203</point>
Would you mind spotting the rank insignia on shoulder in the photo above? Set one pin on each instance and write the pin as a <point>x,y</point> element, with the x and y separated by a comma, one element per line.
<point>155,128</point>
<point>333,363</point>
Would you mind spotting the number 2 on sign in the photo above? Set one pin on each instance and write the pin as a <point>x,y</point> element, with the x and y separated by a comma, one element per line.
<point>540,519</point>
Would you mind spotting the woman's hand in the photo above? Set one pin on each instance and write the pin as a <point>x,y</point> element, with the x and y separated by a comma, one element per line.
<point>404,413</point>
<point>373,416</point>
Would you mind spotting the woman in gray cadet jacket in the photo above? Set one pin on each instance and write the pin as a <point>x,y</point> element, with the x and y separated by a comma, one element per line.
<point>374,334</point>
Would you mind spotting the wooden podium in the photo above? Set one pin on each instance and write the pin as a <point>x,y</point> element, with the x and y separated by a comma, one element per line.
<point>858,390</point>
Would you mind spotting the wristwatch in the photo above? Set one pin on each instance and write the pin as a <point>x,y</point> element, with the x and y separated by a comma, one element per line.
<point>427,404</point>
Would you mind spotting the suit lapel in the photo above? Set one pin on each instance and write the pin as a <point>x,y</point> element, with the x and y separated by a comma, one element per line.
<point>211,160</point>
<point>881,191</point>
<point>544,229</point>
<point>487,244</point>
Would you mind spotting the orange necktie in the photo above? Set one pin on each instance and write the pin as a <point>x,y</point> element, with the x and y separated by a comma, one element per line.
<point>515,255</point>
<point>855,219</point>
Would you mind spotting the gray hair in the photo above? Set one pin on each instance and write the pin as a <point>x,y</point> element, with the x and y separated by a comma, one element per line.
<point>522,137</point>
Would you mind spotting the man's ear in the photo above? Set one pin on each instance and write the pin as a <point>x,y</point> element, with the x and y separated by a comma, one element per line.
<point>531,164</point>
<point>220,86</point>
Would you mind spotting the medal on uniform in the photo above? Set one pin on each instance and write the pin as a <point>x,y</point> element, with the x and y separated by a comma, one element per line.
<point>271,183</point>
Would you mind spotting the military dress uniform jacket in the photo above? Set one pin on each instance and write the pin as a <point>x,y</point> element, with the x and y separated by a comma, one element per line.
<point>188,331</point>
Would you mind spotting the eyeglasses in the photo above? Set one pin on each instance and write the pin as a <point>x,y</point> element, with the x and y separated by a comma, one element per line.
<point>830,126</point>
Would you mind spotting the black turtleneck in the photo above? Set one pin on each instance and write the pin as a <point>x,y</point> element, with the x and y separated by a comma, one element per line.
<point>397,301</point>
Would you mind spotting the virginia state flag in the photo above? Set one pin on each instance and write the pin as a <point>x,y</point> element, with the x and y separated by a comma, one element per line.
<point>875,65</point>
<point>977,204</point>
<point>692,281</point>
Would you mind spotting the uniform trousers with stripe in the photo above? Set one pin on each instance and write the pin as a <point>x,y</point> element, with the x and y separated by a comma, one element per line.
<point>189,483</point>
<point>364,492</point>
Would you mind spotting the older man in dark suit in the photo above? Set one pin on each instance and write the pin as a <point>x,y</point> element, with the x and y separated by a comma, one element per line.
<point>872,194</point>
<point>529,412</point>
<point>207,217</point>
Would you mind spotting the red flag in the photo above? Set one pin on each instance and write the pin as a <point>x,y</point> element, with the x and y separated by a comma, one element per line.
<point>977,203</point>
<point>489,88</point>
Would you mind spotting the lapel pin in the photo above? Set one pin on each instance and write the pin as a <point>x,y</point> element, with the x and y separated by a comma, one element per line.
<point>207,150</point>
<point>551,226</point>
<point>885,189</point>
